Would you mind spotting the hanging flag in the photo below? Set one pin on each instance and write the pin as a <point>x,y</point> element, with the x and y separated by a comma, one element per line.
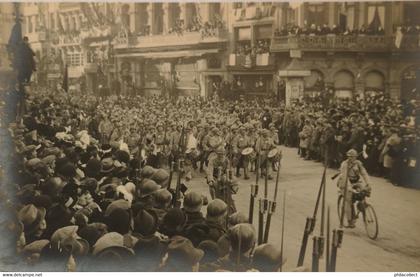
<point>398,37</point>
<point>14,40</point>
<point>65,84</point>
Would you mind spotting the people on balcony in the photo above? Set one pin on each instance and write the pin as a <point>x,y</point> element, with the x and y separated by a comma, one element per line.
<point>318,30</point>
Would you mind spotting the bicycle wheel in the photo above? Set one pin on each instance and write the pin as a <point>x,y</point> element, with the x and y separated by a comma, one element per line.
<point>371,222</point>
<point>340,204</point>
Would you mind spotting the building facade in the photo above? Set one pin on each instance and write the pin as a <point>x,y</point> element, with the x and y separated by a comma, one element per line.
<point>231,49</point>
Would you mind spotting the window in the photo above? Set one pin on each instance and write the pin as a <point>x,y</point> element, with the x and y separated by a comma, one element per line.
<point>67,24</point>
<point>74,24</point>
<point>317,14</point>
<point>237,5</point>
<point>376,16</point>
<point>52,21</point>
<point>36,22</point>
<point>411,13</point>
<point>125,16</point>
<point>30,25</point>
<point>74,59</point>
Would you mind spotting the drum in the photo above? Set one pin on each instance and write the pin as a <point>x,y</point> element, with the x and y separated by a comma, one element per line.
<point>247,151</point>
<point>272,153</point>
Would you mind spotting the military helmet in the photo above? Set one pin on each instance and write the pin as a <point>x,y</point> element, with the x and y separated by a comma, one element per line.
<point>352,153</point>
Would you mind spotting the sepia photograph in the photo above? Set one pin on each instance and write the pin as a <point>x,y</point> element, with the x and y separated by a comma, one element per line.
<point>210,137</point>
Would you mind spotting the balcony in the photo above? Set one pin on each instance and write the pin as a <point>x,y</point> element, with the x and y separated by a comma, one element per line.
<point>259,61</point>
<point>171,40</point>
<point>352,43</point>
<point>37,36</point>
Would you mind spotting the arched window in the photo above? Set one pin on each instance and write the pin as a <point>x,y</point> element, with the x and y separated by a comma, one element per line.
<point>315,80</point>
<point>344,84</point>
<point>374,81</point>
<point>410,83</point>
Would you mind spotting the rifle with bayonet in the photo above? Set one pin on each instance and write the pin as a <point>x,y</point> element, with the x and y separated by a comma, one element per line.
<point>318,245</point>
<point>310,223</point>
<point>327,253</point>
<point>271,207</point>
<point>181,146</point>
<point>171,172</point>
<point>254,192</point>
<point>228,194</point>
<point>337,238</point>
<point>263,208</point>
<point>176,202</point>
<point>282,229</point>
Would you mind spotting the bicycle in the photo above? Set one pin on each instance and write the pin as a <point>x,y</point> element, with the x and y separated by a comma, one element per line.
<point>362,207</point>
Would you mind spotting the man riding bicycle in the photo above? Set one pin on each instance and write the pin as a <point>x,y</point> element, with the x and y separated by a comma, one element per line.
<point>352,169</point>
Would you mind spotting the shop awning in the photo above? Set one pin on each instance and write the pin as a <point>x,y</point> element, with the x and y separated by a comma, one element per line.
<point>169,54</point>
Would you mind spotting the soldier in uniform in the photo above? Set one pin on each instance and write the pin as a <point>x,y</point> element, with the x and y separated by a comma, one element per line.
<point>253,136</point>
<point>242,241</point>
<point>202,130</point>
<point>263,145</point>
<point>204,146</point>
<point>351,170</point>
<point>174,140</point>
<point>220,181</point>
<point>161,142</point>
<point>214,142</point>
<point>241,142</point>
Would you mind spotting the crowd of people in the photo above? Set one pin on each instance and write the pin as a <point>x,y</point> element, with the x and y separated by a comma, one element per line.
<point>93,185</point>
<point>325,29</point>
<point>261,46</point>
<point>92,193</point>
<point>382,130</point>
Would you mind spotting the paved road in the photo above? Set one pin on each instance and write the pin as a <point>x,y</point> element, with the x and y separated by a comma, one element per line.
<point>397,247</point>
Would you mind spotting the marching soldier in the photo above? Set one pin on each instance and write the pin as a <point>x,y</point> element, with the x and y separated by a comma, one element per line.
<point>161,143</point>
<point>174,140</point>
<point>239,144</point>
<point>264,144</point>
<point>221,185</point>
<point>214,142</point>
<point>253,136</point>
<point>202,130</point>
<point>205,146</point>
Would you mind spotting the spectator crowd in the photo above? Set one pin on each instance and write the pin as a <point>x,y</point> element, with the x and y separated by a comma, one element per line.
<point>93,194</point>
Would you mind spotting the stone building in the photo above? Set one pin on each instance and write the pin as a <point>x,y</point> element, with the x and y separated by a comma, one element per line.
<point>7,20</point>
<point>233,49</point>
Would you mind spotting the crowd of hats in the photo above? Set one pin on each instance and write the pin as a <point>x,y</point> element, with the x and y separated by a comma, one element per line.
<point>89,206</point>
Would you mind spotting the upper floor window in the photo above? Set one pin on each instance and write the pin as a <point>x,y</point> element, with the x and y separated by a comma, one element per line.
<point>52,21</point>
<point>376,16</point>
<point>30,25</point>
<point>411,13</point>
<point>316,14</point>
